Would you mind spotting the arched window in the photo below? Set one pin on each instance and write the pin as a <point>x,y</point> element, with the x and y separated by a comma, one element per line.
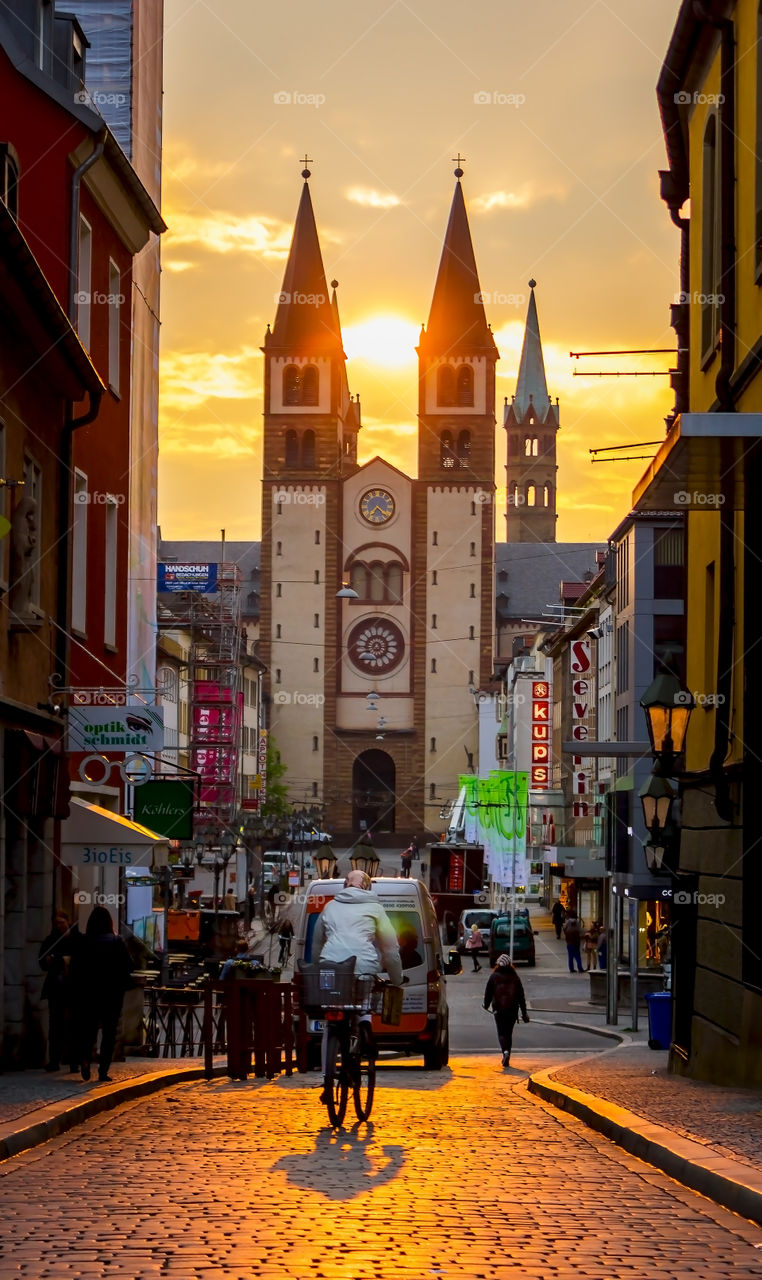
<point>292,449</point>
<point>291,385</point>
<point>394,583</point>
<point>446,385</point>
<point>546,495</point>
<point>308,450</point>
<point>464,449</point>
<point>309,385</point>
<point>465,387</point>
<point>710,240</point>
<point>531,495</point>
<point>446,454</point>
<point>358,579</point>
<point>515,498</point>
<point>377,584</point>
<point>531,446</point>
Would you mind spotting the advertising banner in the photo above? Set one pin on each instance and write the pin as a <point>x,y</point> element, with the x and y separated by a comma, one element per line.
<point>187,577</point>
<point>136,728</point>
<point>496,817</point>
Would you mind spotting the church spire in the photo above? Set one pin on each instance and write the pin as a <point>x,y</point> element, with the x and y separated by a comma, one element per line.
<point>306,321</point>
<point>457,323</point>
<point>532,385</point>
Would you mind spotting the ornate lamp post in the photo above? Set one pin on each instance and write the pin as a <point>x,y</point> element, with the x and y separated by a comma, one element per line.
<point>668,709</point>
<point>364,858</point>
<point>325,861</point>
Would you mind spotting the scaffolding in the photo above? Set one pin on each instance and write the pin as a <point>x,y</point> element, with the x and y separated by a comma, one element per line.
<point>216,695</point>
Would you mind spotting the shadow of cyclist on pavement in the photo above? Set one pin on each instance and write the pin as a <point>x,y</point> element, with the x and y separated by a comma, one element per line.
<point>344,1163</point>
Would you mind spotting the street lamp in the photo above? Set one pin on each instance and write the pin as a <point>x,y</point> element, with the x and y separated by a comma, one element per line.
<point>668,709</point>
<point>325,861</point>
<point>656,796</point>
<point>364,859</point>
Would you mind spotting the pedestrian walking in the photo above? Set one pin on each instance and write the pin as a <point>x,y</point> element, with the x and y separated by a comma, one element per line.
<point>285,935</point>
<point>591,946</point>
<point>414,846</point>
<point>573,937</point>
<point>55,957</point>
<point>229,902</point>
<point>504,993</point>
<point>557,915</point>
<point>407,862</point>
<point>474,944</point>
<point>100,972</point>
<point>603,948</point>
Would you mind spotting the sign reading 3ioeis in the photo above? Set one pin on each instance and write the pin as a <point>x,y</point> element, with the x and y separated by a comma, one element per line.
<point>134,728</point>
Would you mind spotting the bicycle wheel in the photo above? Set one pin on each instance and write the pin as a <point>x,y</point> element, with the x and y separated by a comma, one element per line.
<point>364,1072</point>
<point>336,1082</point>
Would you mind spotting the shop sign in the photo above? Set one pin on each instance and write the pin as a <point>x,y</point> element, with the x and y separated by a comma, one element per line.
<point>540,763</point>
<point>136,728</point>
<point>166,807</point>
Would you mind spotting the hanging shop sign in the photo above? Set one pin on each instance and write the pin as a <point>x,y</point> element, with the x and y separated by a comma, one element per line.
<point>136,728</point>
<point>540,766</point>
<point>166,806</point>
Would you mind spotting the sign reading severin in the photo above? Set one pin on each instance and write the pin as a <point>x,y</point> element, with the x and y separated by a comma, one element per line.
<point>116,728</point>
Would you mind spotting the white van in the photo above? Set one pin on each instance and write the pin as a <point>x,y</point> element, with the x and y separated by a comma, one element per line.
<point>423,1028</point>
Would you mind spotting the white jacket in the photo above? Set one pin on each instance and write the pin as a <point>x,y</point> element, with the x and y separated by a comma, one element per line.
<point>355,924</point>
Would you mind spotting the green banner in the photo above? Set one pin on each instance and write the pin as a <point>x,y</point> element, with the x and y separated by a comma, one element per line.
<point>166,807</point>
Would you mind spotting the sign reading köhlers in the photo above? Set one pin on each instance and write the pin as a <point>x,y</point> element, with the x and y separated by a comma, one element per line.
<point>166,807</point>
<point>135,728</point>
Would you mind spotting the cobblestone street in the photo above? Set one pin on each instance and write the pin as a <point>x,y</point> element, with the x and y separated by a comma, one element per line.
<point>461,1174</point>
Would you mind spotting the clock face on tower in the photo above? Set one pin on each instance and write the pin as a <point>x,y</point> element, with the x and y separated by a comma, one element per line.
<point>377,506</point>
<point>375,645</point>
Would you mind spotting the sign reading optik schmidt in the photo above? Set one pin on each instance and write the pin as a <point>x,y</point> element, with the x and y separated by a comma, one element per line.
<point>116,728</point>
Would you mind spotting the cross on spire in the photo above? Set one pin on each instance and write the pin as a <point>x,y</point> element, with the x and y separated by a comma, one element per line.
<point>459,160</point>
<point>305,170</point>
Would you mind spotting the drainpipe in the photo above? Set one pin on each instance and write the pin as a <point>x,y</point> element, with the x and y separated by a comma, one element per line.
<point>726,404</point>
<point>71,425</point>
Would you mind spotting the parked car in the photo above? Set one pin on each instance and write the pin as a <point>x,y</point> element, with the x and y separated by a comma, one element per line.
<point>482,917</point>
<point>423,1027</point>
<point>523,939</point>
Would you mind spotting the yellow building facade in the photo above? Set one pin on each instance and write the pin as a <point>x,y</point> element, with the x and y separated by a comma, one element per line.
<point>710,96</point>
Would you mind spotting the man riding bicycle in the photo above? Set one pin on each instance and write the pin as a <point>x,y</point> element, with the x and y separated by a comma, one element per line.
<point>355,924</point>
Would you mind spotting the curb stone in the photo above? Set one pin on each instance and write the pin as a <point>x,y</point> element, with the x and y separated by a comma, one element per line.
<point>58,1118</point>
<point>726,1181</point>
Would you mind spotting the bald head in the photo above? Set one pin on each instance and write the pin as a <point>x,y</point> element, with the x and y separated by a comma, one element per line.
<point>357,880</point>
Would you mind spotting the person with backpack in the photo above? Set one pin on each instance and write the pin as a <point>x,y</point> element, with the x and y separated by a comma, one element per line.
<point>505,993</point>
<point>573,937</point>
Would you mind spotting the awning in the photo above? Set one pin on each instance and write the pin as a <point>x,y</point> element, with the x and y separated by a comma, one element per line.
<point>699,449</point>
<point>96,837</point>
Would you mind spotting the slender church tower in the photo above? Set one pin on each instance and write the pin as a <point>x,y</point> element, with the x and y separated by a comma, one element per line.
<point>310,445</point>
<point>455,507</point>
<point>531,423</point>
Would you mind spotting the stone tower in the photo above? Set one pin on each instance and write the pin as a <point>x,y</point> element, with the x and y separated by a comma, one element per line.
<point>531,423</point>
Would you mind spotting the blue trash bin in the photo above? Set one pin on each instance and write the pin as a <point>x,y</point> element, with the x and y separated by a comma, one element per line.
<point>659,1019</point>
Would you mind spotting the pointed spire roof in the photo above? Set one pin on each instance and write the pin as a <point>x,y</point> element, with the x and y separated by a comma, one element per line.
<point>306,320</point>
<point>457,322</point>
<point>531,384</point>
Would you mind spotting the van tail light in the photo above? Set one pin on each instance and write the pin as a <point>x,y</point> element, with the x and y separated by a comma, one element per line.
<point>334,1015</point>
<point>432,991</point>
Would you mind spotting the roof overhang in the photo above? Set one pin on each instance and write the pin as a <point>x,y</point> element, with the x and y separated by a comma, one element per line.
<point>96,837</point>
<point>690,472</point>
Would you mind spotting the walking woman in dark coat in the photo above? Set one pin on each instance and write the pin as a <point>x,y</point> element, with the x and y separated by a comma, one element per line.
<point>504,991</point>
<point>100,973</point>
<point>55,956</point>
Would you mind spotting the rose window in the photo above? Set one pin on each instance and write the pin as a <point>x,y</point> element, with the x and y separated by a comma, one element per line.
<point>376,645</point>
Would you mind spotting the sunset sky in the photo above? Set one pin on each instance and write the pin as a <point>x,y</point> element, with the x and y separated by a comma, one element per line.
<point>553,105</point>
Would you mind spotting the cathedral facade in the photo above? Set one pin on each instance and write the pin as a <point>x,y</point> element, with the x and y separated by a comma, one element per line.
<point>377,589</point>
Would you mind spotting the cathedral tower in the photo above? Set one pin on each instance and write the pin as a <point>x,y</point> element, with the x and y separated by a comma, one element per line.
<point>310,443</point>
<point>455,508</point>
<point>531,423</point>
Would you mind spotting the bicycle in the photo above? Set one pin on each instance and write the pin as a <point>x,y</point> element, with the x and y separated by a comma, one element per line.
<point>342,997</point>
